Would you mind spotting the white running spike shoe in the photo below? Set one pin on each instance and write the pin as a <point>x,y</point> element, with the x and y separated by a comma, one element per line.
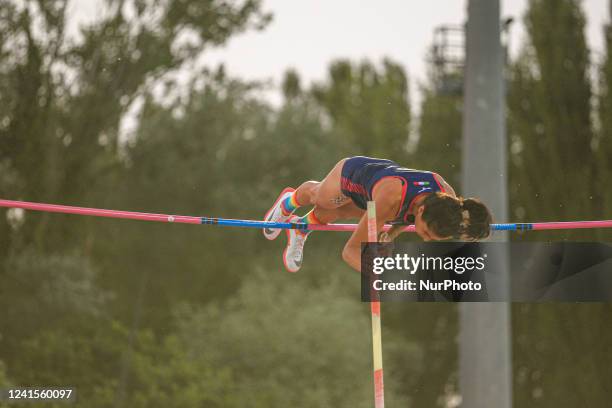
<point>275,214</point>
<point>294,252</point>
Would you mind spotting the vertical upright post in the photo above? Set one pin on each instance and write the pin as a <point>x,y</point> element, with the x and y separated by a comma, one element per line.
<point>379,393</point>
<point>485,364</point>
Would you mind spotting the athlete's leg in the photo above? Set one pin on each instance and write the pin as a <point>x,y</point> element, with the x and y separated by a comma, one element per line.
<point>330,205</point>
<point>323,194</point>
<point>347,211</point>
<point>294,252</point>
<point>327,197</point>
<point>320,215</point>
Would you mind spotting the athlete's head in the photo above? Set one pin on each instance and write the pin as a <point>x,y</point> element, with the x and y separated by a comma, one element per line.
<point>442,216</point>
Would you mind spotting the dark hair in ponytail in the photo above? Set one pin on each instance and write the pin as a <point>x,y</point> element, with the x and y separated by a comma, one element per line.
<point>458,218</point>
<point>479,223</point>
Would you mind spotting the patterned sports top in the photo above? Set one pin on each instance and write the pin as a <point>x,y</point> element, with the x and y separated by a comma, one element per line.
<point>361,174</point>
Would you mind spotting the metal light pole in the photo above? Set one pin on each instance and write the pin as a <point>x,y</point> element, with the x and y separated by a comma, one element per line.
<point>485,374</point>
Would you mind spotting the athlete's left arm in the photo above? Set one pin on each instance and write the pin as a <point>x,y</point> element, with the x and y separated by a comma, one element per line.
<point>447,188</point>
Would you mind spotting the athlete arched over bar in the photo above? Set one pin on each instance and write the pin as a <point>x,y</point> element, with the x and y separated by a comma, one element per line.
<point>402,196</point>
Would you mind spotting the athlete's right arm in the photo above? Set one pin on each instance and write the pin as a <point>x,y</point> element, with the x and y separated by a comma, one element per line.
<point>387,198</point>
<point>352,250</point>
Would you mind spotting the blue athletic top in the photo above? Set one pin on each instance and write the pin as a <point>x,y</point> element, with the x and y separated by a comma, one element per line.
<point>360,174</point>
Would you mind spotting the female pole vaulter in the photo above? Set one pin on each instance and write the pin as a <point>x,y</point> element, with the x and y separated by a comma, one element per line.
<point>403,196</point>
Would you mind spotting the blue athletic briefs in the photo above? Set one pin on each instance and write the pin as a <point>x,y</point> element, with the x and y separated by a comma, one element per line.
<point>360,174</point>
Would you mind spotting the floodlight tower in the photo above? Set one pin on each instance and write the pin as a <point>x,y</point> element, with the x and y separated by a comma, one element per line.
<point>448,59</point>
<point>485,374</point>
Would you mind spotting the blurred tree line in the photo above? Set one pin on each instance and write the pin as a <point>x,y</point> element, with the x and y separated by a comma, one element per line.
<point>559,145</point>
<point>145,315</point>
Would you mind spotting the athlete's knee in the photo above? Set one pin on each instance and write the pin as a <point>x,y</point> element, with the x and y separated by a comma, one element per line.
<point>307,192</point>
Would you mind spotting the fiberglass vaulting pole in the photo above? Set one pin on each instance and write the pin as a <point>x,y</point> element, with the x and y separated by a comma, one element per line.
<point>485,373</point>
<point>379,388</point>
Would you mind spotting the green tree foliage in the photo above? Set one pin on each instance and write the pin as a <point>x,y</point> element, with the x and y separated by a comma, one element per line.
<point>222,152</point>
<point>549,104</point>
<point>439,144</point>
<point>556,173</point>
<point>562,354</point>
<point>368,107</point>
<point>41,292</point>
<point>286,346</point>
<point>4,381</point>
<point>63,99</point>
<point>438,147</point>
<point>291,85</point>
<point>433,328</point>
<point>604,145</point>
<point>93,360</point>
<point>57,330</point>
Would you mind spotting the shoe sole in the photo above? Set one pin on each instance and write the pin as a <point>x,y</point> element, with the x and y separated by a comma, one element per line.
<point>276,231</point>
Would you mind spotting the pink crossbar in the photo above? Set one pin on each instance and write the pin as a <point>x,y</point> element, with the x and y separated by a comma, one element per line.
<point>97,212</point>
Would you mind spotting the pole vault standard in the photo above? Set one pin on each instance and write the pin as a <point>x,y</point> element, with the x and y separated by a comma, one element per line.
<point>379,388</point>
<point>228,222</point>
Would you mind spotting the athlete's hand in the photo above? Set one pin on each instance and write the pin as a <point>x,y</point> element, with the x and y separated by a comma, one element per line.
<point>384,237</point>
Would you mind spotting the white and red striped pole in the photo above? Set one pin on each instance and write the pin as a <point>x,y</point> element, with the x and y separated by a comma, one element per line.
<point>379,389</point>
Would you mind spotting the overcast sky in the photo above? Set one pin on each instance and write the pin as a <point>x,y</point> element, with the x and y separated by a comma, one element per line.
<point>307,35</point>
